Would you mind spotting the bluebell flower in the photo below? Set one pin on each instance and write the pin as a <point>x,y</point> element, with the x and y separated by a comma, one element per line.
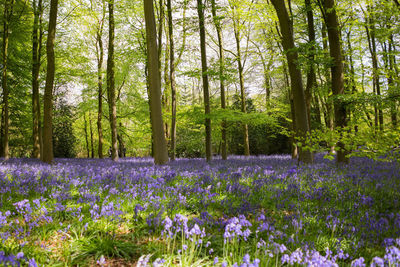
<point>360,262</point>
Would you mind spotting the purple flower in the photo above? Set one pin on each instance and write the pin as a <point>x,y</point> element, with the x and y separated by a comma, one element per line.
<point>215,260</point>
<point>377,262</point>
<point>246,258</point>
<point>360,262</point>
<point>32,263</point>
<point>101,261</point>
<point>20,255</point>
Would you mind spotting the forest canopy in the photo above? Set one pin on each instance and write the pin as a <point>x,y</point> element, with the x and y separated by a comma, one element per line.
<point>84,77</point>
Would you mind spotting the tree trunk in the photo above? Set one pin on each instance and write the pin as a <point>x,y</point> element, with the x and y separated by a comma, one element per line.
<point>48,91</point>
<point>352,86</point>
<point>335,50</point>
<point>370,29</point>
<point>293,145</point>
<point>8,10</point>
<point>121,144</point>
<point>393,105</point>
<point>161,20</point>
<point>111,84</point>
<point>86,135</point>
<point>37,11</point>
<point>242,89</point>
<point>167,86</point>
<point>217,24</point>
<point>2,133</point>
<point>100,59</point>
<point>160,146</point>
<point>204,69</point>
<point>300,107</point>
<point>172,80</point>
<point>311,75</point>
<point>91,135</point>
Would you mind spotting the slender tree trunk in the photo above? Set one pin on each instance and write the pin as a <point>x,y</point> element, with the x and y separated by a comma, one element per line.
<point>91,135</point>
<point>172,79</point>
<point>217,24</point>
<point>100,59</point>
<point>146,71</point>
<point>8,10</point>
<point>121,144</point>
<point>160,146</point>
<point>311,75</point>
<point>200,11</point>
<point>370,29</point>
<point>391,71</point>
<point>2,133</point>
<point>335,50</point>
<point>167,81</point>
<point>41,34</point>
<point>293,147</point>
<point>329,113</point>
<point>353,88</point>
<point>37,10</point>
<point>300,107</point>
<point>161,20</point>
<point>167,86</point>
<point>111,84</point>
<point>48,91</point>
<point>242,89</point>
<point>86,135</point>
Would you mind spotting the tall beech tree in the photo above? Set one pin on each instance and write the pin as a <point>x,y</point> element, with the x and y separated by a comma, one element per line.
<point>48,91</point>
<point>236,29</point>
<point>337,71</point>
<point>311,75</point>
<point>299,102</point>
<point>8,11</point>
<point>100,59</point>
<point>36,57</point>
<point>160,150</point>
<point>376,84</point>
<point>218,28</point>
<point>112,107</point>
<point>172,79</point>
<point>204,69</point>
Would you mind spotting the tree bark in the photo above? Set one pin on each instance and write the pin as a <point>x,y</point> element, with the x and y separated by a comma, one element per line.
<point>335,50</point>
<point>167,87</point>
<point>86,135</point>
<point>391,70</point>
<point>242,89</point>
<point>160,146</point>
<point>217,24</point>
<point>111,84</point>
<point>352,85</point>
<point>37,11</point>
<point>48,91</point>
<point>172,80</point>
<point>204,69</point>
<point>311,75</point>
<point>161,20</point>
<point>8,10</point>
<point>300,107</point>
<point>121,144</point>
<point>370,29</point>
<point>100,59</point>
<point>91,135</point>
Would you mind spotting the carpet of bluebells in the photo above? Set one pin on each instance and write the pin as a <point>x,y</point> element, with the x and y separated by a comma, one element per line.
<point>255,211</point>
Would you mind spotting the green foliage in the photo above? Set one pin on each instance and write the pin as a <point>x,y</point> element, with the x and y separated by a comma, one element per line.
<point>63,137</point>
